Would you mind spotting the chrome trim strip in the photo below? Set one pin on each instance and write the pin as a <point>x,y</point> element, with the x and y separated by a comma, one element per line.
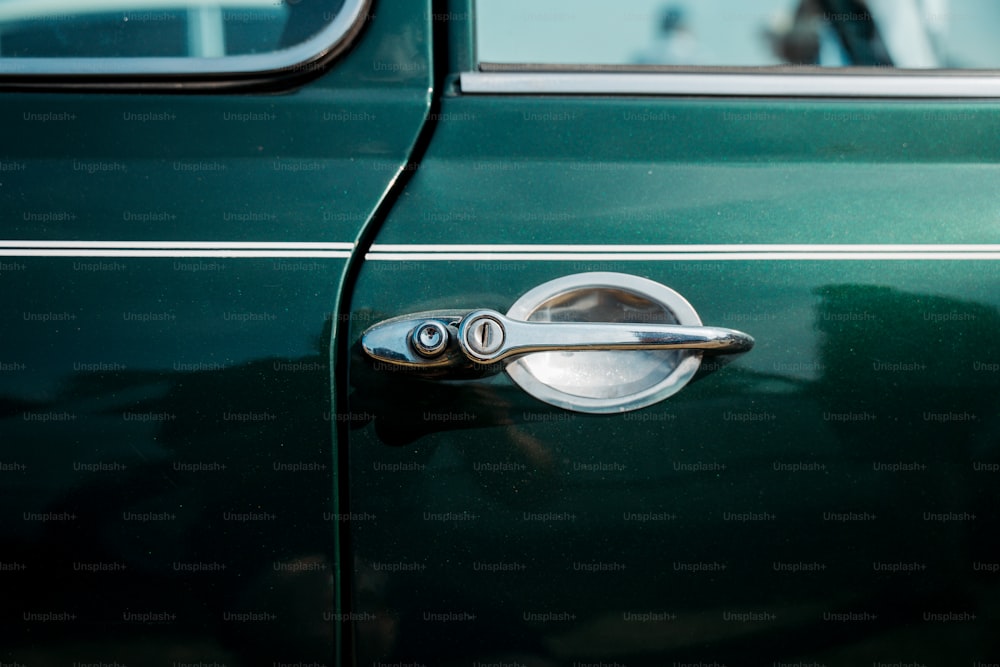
<point>694,247</point>
<point>232,249</point>
<point>500,252</point>
<point>728,84</point>
<point>676,253</point>
<point>674,257</point>
<point>177,245</point>
<point>327,40</point>
<point>141,252</point>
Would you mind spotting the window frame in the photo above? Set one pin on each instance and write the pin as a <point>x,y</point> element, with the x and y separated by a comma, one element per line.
<point>779,81</point>
<point>308,56</point>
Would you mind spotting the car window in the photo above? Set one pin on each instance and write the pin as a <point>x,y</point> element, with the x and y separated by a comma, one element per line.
<point>910,34</point>
<point>159,35</point>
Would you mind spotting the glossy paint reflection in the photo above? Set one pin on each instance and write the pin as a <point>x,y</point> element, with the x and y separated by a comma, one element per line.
<point>163,502</point>
<point>758,513</point>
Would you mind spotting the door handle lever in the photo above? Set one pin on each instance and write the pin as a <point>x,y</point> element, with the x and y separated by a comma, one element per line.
<point>439,341</point>
<point>486,336</point>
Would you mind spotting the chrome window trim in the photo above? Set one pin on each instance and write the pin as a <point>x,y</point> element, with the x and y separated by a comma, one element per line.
<point>728,84</point>
<point>335,36</point>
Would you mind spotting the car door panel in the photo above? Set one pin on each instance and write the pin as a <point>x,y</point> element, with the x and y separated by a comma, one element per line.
<point>820,498</point>
<point>171,274</point>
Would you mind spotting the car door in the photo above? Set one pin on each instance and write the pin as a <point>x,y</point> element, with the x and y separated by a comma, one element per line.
<point>177,227</point>
<point>825,498</point>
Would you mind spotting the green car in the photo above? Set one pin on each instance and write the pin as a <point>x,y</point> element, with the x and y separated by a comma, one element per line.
<point>493,332</point>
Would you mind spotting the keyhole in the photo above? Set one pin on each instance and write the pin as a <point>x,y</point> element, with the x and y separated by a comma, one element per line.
<point>429,339</point>
<point>485,335</point>
<point>429,336</point>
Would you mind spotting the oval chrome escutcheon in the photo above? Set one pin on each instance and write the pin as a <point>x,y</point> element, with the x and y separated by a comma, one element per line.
<point>605,382</point>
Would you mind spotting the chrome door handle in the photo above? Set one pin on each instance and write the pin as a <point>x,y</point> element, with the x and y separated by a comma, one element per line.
<point>638,342</point>
<point>486,336</point>
<point>443,341</point>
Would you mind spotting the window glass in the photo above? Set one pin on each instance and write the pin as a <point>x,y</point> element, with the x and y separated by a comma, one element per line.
<point>912,34</point>
<point>159,28</point>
